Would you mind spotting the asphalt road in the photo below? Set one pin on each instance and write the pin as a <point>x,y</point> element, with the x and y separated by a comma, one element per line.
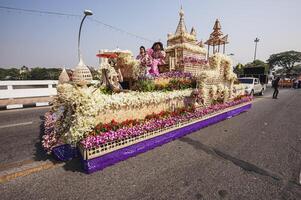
<point>256,155</point>
<point>20,135</point>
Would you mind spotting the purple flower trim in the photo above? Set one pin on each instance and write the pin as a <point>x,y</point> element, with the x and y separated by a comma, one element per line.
<point>155,124</point>
<point>50,138</point>
<point>174,74</point>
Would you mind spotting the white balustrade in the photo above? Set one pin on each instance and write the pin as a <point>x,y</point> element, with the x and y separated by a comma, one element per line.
<point>25,89</point>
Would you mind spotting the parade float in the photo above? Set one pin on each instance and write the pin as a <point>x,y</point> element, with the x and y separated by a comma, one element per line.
<point>104,122</point>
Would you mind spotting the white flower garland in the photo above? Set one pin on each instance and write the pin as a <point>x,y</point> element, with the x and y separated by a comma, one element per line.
<point>190,47</point>
<point>220,60</point>
<point>186,35</point>
<point>87,105</point>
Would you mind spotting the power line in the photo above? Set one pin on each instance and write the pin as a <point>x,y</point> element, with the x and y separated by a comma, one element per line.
<point>39,11</point>
<point>74,15</point>
<point>120,30</point>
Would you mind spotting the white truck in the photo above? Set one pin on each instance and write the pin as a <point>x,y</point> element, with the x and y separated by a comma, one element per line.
<point>252,85</point>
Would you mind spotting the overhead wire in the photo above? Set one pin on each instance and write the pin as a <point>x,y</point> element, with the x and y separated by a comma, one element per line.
<point>97,21</point>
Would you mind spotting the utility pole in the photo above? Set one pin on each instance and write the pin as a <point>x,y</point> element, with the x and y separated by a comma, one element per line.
<point>256,41</point>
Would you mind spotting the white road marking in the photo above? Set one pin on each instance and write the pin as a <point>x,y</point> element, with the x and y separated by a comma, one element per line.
<point>14,106</point>
<point>13,125</point>
<point>42,104</point>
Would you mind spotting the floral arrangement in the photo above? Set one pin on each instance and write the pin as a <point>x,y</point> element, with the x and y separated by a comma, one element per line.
<point>166,82</point>
<point>208,74</point>
<point>186,35</point>
<point>238,89</point>
<point>228,72</point>
<point>164,85</point>
<point>154,122</point>
<point>193,60</point>
<point>213,93</point>
<point>220,60</point>
<point>187,46</point>
<point>50,137</point>
<point>130,67</point>
<point>173,74</point>
<point>215,61</point>
<point>82,106</point>
<point>130,62</point>
<point>226,93</point>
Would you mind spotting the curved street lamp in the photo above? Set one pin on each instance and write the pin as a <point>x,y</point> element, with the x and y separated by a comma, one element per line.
<point>82,74</point>
<point>87,13</point>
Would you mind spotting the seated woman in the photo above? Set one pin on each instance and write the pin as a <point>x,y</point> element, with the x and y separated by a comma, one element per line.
<point>145,60</point>
<point>157,56</point>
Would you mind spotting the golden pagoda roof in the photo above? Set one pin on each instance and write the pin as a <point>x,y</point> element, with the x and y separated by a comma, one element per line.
<point>217,25</point>
<point>216,37</point>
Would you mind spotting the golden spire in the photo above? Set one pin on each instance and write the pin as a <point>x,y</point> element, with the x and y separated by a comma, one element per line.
<point>181,28</point>
<point>216,29</point>
<point>193,31</point>
<point>217,25</point>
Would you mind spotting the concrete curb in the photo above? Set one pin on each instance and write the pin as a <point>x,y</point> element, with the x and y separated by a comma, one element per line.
<point>28,105</point>
<point>23,168</point>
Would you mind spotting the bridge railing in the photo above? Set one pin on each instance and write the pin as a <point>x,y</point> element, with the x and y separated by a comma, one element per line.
<point>27,89</point>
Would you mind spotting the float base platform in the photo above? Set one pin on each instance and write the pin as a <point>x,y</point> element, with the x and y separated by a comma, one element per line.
<point>111,158</point>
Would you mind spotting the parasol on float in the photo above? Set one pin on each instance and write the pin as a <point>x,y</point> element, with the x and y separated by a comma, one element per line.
<point>107,55</point>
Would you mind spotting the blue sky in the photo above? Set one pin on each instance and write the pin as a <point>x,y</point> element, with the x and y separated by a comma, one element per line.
<point>51,41</point>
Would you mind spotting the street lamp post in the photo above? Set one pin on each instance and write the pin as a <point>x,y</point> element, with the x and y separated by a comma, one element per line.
<point>87,13</point>
<point>256,41</point>
<point>82,74</point>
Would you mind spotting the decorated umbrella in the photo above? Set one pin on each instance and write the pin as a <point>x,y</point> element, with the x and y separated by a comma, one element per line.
<point>107,55</point>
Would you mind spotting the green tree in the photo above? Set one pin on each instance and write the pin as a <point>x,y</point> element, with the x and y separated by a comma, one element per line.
<point>53,73</point>
<point>25,76</point>
<point>13,74</point>
<point>38,73</point>
<point>238,69</point>
<point>3,73</point>
<point>297,69</point>
<point>288,60</point>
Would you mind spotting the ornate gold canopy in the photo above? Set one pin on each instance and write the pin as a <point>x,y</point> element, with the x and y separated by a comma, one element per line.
<point>217,38</point>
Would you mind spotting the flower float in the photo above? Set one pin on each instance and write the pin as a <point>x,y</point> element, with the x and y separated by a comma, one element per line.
<point>109,121</point>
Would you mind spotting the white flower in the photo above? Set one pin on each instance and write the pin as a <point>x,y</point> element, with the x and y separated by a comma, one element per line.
<point>190,47</point>
<point>82,107</point>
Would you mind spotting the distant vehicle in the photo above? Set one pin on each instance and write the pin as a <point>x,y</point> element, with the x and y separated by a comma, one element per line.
<point>256,72</point>
<point>252,86</point>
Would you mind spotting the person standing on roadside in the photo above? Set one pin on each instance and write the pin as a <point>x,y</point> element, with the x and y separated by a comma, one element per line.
<point>275,85</point>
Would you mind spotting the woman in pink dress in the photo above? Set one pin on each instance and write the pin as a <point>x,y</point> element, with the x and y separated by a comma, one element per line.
<point>157,56</point>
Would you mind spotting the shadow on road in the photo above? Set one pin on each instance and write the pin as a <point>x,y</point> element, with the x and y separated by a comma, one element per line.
<point>74,165</point>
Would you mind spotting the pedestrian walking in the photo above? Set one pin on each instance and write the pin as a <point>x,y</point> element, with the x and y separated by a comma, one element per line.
<point>275,85</point>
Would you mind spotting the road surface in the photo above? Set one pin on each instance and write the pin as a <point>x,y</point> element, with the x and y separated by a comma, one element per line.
<point>256,155</point>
